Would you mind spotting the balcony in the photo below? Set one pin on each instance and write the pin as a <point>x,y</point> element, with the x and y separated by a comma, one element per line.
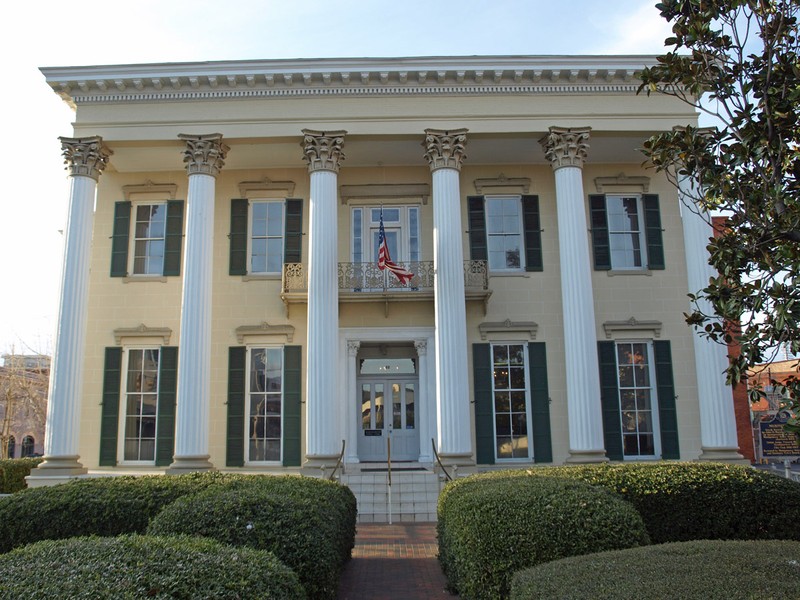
<point>365,282</point>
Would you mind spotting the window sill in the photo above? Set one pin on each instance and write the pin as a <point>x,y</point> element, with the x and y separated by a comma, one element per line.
<point>266,277</point>
<point>144,278</point>
<point>525,274</point>
<point>623,272</point>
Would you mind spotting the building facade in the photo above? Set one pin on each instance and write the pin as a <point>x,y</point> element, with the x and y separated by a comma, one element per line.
<point>223,304</point>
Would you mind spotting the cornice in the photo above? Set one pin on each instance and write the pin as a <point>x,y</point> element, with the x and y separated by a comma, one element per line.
<point>491,75</point>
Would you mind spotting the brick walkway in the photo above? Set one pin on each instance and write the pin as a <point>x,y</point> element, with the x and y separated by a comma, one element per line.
<point>394,562</point>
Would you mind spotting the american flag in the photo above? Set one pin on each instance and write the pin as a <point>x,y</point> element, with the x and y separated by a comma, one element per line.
<point>385,261</point>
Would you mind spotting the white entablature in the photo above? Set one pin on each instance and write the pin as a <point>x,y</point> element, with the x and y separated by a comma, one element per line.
<point>347,77</point>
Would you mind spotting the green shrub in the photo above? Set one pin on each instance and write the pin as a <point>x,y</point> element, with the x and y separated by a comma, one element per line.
<point>701,570</point>
<point>13,473</point>
<point>304,525</point>
<point>128,567</point>
<point>491,526</point>
<point>694,501</point>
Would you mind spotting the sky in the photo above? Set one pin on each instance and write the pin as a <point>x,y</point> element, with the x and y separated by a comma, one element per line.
<point>48,33</point>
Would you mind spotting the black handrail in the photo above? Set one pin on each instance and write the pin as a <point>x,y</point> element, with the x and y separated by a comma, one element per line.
<point>338,463</point>
<point>439,460</point>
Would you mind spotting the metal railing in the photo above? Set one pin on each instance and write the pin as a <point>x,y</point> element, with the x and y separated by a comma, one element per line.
<point>439,460</point>
<point>338,463</point>
<point>367,277</point>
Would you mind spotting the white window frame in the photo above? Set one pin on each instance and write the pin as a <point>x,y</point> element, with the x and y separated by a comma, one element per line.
<point>123,403</point>
<point>250,221</point>
<point>641,233</point>
<point>526,369</point>
<point>368,226</point>
<point>248,381</point>
<point>654,405</point>
<point>133,238</point>
<point>520,233</point>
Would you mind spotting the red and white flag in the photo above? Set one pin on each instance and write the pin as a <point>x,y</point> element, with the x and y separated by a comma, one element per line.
<point>385,261</point>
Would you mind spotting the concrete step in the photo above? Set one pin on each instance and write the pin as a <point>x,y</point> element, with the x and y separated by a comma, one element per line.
<point>412,495</point>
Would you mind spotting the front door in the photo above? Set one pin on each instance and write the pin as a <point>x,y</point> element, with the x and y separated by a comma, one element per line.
<point>388,409</point>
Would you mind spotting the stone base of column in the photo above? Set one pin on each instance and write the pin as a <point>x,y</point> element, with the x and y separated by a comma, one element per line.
<point>190,464</point>
<point>581,457</point>
<point>727,455</point>
<point>60,466</point>
<point>457,460</point>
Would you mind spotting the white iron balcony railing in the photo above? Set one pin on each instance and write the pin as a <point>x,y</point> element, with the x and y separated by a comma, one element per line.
<point>365,282</point>
<point>367,278</point>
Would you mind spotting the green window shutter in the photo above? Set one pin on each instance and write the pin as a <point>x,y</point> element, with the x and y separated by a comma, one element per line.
<point>484,411</point>
<point>236,385</point>
<point>533,233</point>
<point>292,372</point>
<point>609,399</point>
<point>540,403</point>
<point>167,398</point>
<point>667,411</point>
<point>238,237</point>
<point>109,413</point>
<point>119,239</point>
<point>477,229</point>
<point>652,231</point>
<point>173,240</point>
<point>600,242</point>
<point>293,236</point>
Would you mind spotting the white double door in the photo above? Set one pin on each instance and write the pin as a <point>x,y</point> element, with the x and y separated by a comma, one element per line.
<point>388,408</point>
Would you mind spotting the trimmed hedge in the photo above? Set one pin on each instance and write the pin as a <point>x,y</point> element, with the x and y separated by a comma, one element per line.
<point>308,527</point>
<point>701,570</point>
<point>694,501</point>
<point>491,526</point>
<point>13,473</point>
<point>129,567</point>
<point>115,505</point>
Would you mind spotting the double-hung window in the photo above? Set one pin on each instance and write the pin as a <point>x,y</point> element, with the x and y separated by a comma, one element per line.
<point>140,405</point>
<point>265,405</point>
<point>626,232</point>
<point>511,402</point>
<point>637,398</point>
<point>147,239</point>
<point>265,234</point>
<point>637,394</point>
<point>505,231</point>
<point>149,231</point>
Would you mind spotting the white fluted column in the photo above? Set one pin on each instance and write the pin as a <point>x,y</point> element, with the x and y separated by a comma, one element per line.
<point>352,410</point>
<point>423,424</point>
<point>566,149</point>
<point>204,157</point>
<point>444,151</point>
<point>86,158</point>
<point>717,419</point>
<point>324,152</point>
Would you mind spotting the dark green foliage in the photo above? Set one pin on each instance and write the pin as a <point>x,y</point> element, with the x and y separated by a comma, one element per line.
<point>129,567</point>
<point>702,570</point>
<point>309,524</point>
<point>693,501</point>
<point>492,525</point>
<point>741,57</point>
<point>13,472</point>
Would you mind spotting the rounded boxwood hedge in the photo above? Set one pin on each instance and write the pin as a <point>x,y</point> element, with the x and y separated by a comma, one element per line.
<point>491,526</point>
<point>13,472</point>
<point>114,505</point>
<point>694,501</point>
<point>700,570</point>
<point>128,567</point>
<point>307,529</point>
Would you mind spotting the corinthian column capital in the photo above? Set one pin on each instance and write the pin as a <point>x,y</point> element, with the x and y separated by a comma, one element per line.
<point>322,150</point>
<point>85,156</point>
<point>445,149</point>
<point>565,147</point>
<point>204,153</point>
